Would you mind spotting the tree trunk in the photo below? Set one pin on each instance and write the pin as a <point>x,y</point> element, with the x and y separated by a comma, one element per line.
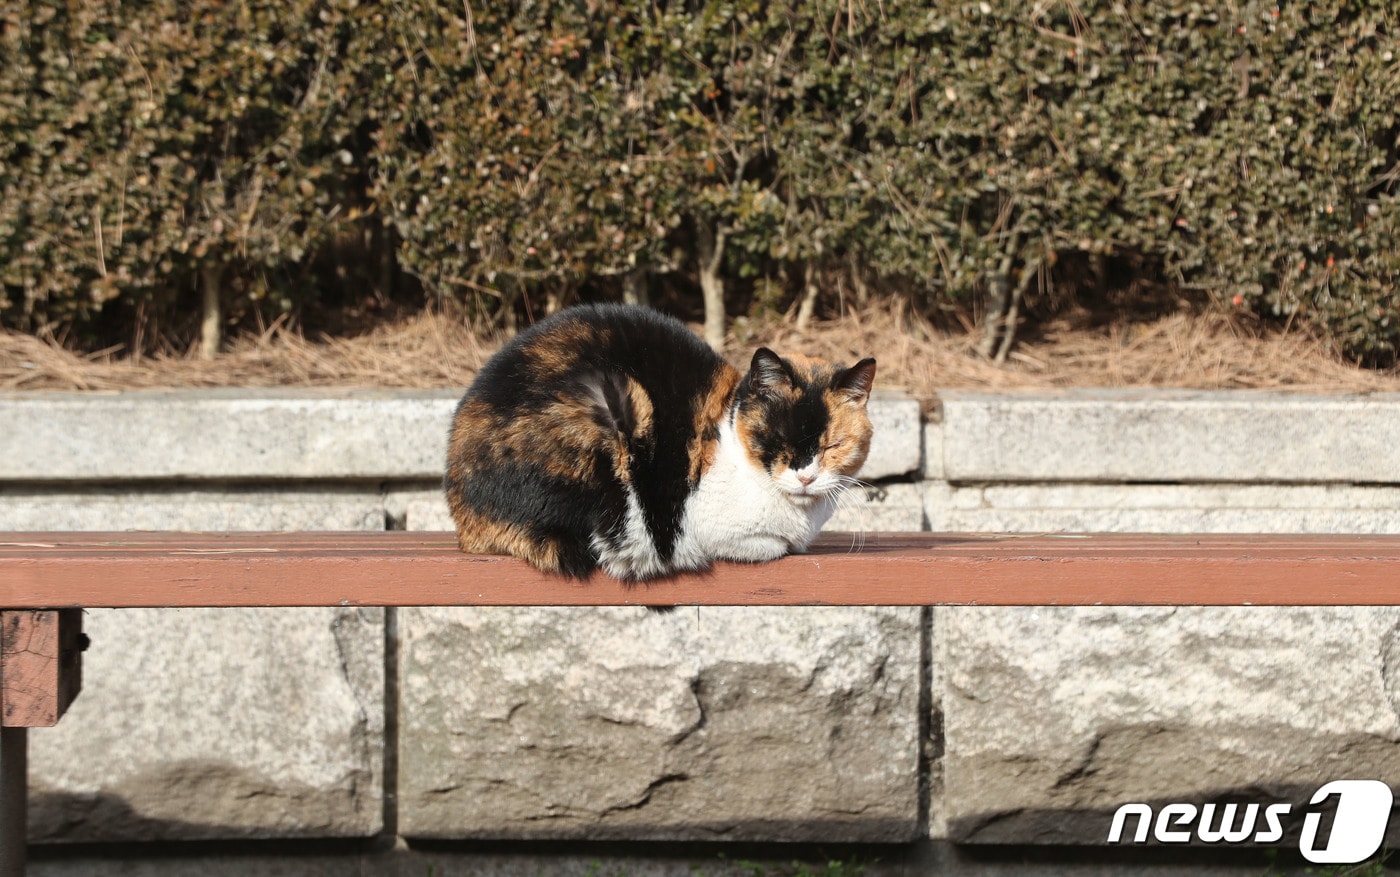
<point>138,331</point>
<point>999,298</point>
<point>634,287</point>
<point>1013,313</point>
<point>211,325</point>
<point>510,293</point>
<point>710,254</point>
<point>382,245</point>
<point>859,285</point>
<point>809,298</point>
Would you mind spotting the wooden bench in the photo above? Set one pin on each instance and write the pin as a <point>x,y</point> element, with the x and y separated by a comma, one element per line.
<point>47,579</point>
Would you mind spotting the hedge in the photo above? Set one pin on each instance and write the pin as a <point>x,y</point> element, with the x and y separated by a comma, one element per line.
<point>512,156</point>
<point>148,148</point>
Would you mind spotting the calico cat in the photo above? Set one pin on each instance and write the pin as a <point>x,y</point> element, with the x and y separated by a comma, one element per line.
<point>611,436</point>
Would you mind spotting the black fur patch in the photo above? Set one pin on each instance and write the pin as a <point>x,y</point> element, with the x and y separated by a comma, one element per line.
<point>790,429</point>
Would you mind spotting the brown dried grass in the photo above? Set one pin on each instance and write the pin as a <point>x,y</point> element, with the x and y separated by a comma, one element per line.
<point>1188,350</point>
<point>426,350</point>
<point>1200,350</point>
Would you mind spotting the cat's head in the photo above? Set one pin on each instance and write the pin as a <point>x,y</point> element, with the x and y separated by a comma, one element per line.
<point>804,421</point>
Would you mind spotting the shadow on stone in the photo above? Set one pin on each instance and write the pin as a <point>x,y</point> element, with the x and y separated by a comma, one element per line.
<point>189,801</point>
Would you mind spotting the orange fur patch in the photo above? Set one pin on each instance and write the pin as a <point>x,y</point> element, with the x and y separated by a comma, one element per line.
<point>480,535</point>
<point>810,370</point>
<point>848,432</point>
<point>557,350</point>
<point>472,423</point>
<point>642,413</point>
<point>745,427</point>
<point>701,449</point>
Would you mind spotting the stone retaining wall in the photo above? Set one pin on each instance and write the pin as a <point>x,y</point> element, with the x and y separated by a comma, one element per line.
<point>984,725</point>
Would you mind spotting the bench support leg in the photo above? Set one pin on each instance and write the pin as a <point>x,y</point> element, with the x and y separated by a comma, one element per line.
<point>40,674</point>
<point>14,757</point>
<point>41,665</point>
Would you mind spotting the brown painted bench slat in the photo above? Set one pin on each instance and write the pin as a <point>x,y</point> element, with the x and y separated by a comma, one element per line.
<point>56,570</point>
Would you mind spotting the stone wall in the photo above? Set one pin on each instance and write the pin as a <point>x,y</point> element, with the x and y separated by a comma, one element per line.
<point>882,725</point>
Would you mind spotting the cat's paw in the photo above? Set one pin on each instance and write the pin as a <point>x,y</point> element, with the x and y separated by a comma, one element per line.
<point>755,549</point>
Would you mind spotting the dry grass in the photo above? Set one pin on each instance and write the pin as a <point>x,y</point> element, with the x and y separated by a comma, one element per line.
<point>1201,351</point>
<point>1209,351</point>
<point>423,351</point>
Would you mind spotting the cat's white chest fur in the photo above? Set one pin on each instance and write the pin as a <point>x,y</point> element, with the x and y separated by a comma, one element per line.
<point>739,513</point>
<point>736,513</point>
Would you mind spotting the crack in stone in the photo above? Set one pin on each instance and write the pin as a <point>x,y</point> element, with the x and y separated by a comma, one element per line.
<point>1389,666</point>
<point>974,825</point>
<point>645,798</point>
<point>697,686</point>
<point>341,636</point>
<point>1085,768</point>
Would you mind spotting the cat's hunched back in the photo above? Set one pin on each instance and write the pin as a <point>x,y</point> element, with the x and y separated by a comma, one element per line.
<point>612,436</point>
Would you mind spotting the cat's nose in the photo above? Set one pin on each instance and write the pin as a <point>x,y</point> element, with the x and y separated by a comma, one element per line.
<point>806,479</point>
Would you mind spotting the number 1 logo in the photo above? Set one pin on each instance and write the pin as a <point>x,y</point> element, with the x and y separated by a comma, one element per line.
<point>1358,829</point>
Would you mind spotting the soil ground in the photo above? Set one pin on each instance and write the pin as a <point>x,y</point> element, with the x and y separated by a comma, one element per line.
<point>1206,350</point>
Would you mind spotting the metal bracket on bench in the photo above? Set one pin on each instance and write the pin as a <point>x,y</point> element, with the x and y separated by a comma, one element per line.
<point>41,672</point>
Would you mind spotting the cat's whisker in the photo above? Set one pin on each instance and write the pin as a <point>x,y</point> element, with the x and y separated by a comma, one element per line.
<point>857,541</point>
<point>846,498</point>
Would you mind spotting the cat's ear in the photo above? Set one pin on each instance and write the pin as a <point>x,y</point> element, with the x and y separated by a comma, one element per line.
<point>856,381</point>
<point>768,372</point>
